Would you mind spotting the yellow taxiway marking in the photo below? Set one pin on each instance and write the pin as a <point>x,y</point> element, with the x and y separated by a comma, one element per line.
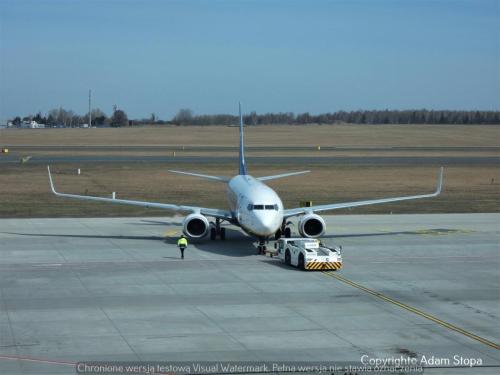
<point>429,232</point>
<point>415,311</point>
<point>442,232</point>
<point>170,233</point>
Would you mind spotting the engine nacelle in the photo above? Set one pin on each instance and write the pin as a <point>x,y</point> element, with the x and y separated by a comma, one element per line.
<point>311,226</point>
<point>195,226</point>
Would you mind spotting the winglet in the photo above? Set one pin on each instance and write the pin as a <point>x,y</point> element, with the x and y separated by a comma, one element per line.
<point>440,182</point>
<point>50,180</point>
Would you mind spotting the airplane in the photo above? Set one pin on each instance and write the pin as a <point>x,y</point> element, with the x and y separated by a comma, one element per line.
<point>253,206</point>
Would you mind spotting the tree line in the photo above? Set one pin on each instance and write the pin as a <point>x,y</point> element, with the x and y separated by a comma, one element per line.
<point>421,116</point>
<point>185,116</point>
<point>68,118</point>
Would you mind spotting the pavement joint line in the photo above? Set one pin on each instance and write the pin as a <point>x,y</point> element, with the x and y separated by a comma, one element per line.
<point>103,311</point>
<point>53,362</point>
<point>38,360</point>
<point>9,321</point>
<point>415,311</point>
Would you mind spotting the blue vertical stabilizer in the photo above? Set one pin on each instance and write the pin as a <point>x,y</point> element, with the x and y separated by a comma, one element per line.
<point>243,168</point>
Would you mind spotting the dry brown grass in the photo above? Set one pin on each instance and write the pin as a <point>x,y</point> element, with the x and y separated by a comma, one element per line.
<point>313,152</point>
<point>314,135</point>
<point>24,191</point>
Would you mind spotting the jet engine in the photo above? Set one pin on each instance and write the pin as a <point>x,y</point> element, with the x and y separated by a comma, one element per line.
<point>195,226</point>
<point>311,225</point>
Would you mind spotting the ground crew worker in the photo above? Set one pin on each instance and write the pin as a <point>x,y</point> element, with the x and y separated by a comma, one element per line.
<point>182,244</point>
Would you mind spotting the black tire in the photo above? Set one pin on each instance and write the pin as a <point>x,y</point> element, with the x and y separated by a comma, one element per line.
<point>301,265</point>
<point>288,232</point>
<point>213,234</point>
<point>277,235</point>
<point>222,234</point>
<point>288,258</point>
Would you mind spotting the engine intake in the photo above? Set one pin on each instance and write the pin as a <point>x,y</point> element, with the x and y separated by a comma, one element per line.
<point>311,226</point>
<point>195,226</point>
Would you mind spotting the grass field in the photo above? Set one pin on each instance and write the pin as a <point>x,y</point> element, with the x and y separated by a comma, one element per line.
<point>24,189</point>
<point>313,135</point>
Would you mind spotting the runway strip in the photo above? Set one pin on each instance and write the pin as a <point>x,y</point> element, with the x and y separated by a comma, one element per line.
<point>414,310</point>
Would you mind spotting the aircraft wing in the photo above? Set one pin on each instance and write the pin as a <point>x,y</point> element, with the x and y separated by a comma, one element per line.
<point>206,176</point>
<point>335,206</point>
<point>221,214</point>
<point>276,176</point>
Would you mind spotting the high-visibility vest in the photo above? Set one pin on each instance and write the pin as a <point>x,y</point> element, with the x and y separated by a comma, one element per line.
<point>182,242</point>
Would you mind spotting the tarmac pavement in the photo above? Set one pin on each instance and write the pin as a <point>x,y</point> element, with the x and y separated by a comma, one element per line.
<point>115,290</point>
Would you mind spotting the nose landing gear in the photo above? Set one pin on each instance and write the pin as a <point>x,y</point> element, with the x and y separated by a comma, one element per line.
<point>261,249</point>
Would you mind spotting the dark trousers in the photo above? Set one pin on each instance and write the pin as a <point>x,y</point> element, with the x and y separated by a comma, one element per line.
<point>182,251</point>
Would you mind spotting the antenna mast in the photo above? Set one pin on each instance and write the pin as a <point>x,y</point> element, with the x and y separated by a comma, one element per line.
<point>90,106</point>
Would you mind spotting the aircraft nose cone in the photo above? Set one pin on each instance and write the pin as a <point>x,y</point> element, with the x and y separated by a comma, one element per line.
<point>267,224</point>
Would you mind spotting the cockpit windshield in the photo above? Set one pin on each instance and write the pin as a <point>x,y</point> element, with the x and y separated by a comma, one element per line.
<point>262,207</point>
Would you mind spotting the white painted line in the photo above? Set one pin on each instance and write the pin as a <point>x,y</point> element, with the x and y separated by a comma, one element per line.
<point>47,264</point>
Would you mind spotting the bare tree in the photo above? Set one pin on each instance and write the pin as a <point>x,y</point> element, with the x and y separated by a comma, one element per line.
<point>119,118</point>
<point>184,116</point>
<point>98,117</point>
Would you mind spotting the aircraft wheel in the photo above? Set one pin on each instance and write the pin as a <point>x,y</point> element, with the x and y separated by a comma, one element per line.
<point>277,235</point>
<point>223,233</point>
<point>288,232</point>
<point>301,265</point>
<point>213,234</point>
<point>288,258</point>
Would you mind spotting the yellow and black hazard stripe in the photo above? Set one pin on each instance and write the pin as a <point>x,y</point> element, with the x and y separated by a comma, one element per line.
<point>323,265</point>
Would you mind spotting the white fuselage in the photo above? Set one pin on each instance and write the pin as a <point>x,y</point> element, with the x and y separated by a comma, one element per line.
<point>256,207</point>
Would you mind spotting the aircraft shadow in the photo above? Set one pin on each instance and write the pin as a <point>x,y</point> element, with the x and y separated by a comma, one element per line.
<point>149,238</point>
<point>233,236</point>
<point>354,235</point>
<point>157,222</point>
<point>236,244</point>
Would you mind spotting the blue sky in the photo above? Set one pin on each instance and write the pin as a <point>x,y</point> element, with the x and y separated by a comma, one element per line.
<point>297,56</point>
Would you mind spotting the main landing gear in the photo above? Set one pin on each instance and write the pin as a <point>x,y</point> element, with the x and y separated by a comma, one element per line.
<point>284,231</point>
<point>217,230</point>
